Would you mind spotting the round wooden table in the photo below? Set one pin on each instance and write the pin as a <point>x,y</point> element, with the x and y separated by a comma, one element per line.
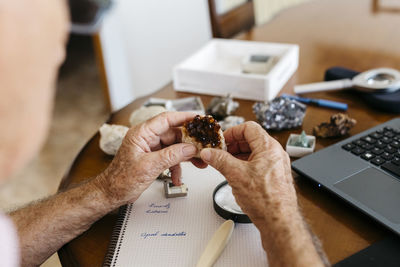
<point>330,33</point>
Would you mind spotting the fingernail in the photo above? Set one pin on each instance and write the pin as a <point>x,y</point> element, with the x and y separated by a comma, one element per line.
<point>189,150</point>
<point>205,155</point>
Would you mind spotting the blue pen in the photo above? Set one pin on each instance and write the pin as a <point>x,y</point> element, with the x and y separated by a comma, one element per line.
<point>318,102</point>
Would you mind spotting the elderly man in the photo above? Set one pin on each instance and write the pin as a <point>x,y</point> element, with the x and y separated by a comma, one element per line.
<point>33,35</point>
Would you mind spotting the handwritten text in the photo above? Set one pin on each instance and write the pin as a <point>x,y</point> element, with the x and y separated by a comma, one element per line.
<point>158,208</point>
<point>146,235</point>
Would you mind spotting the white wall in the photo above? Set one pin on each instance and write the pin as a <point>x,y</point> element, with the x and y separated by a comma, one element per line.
<point>267,9</point>
<point>143,39</point>
<point>223,6</point>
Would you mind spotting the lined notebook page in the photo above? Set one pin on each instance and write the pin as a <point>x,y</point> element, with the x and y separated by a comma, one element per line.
<point>174,232</point>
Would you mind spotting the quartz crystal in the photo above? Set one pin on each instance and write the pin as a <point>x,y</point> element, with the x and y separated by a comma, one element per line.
<point>280,113</point>
<point>203,132</point>
<point>221,107</point>
<point>300,141</point>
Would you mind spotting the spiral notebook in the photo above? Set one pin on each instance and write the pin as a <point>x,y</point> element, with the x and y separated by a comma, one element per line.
<point>156,231</point>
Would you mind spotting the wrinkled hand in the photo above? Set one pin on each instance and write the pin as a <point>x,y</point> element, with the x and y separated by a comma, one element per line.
<point>258,170</point>
<point>146,151</point>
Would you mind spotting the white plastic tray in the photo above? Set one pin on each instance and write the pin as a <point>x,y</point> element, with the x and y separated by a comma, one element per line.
<point>216,70</point>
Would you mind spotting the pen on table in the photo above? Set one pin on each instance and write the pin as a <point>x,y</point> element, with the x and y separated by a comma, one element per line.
<point>318,102</point>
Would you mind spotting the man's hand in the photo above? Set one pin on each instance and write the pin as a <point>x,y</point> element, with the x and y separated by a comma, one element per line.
<point>147,150</point>
<point>258,170</point>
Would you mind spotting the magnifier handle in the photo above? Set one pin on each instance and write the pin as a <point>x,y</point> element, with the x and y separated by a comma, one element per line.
<point>323,86</point>
<point>216,245</point>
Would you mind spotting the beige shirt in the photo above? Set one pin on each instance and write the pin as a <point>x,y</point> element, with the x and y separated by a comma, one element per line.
<point>9,250</point>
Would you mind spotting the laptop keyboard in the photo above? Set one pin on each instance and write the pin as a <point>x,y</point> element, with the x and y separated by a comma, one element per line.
<point>381,148</point>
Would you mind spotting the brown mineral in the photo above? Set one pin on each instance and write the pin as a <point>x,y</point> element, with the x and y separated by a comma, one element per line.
<point>339,125</point>
<point>203,132</point>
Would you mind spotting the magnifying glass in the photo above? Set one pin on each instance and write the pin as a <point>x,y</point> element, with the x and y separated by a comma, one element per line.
<point>382,80</point>
<point>225,204</point>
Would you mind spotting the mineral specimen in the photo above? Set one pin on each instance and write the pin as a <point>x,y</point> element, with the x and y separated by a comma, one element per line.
<point>339,125</point>
<point>221,107</point>
<point>300,141</point>
<point>203,132</point>
<point>230,121</point>
<point>280,113</point>
<point>172,190</point>
<point>299,145</point>
<point>166,174</point>
<point>111,137</point>
<point>257,63</point>
<point>144,113</point>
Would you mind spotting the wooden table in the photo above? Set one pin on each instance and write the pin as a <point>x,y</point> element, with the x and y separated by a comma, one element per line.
<point>330,33</point>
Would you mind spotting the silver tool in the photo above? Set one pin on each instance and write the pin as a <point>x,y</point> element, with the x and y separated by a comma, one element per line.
<point>383,80</point>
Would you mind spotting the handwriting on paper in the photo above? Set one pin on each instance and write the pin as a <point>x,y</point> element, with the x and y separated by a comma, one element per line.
<point>146,235</point>
<point>158,208</point>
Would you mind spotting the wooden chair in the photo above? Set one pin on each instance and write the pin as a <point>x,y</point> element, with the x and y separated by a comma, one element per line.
<point>226,25</point>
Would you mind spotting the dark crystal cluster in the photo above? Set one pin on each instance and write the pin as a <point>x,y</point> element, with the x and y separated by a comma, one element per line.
<point>205,130</point>
<point>280,113</point>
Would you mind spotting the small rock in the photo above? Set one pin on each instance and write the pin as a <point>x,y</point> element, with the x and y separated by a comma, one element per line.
<point>231,121</point>
<point>144,113</point>
<point>111,137</point>
<point>221,107</point>
<point>339,125</point>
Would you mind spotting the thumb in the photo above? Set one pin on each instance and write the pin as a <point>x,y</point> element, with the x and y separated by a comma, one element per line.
<point>170,156</point>
<point>220,160</point>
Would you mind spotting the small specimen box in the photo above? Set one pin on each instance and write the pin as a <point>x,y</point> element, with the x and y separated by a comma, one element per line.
<point>172,190</point>
<point>294,147</point>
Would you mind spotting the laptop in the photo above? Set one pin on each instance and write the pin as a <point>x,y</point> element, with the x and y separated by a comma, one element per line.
<point>363,170</point>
